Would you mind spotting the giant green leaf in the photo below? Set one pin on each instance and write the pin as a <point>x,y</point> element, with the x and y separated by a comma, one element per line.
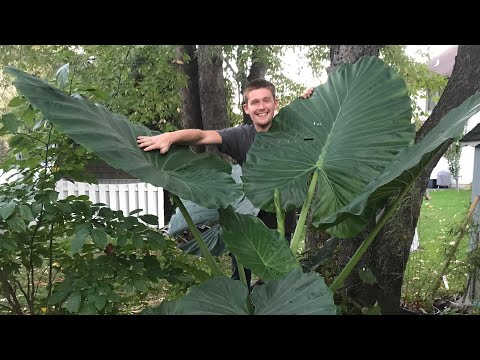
<point>203,216</point>
<point>297,293</point>
<point>201,178</point>
<point>255,246</point>
<point>212,238</point>
<point>348,130</point>
<point>165,308</point>
<point>402,170</point>
<point>217,296</point>
<point>200,216</point>
<point>294,294</point>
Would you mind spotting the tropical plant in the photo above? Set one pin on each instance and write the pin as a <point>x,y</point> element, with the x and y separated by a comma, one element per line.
<point>352,139</point>
<point>71,255</point>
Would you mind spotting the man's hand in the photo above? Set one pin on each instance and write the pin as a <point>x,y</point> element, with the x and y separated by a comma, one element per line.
<point>307,93</point>
<point>161,142</point>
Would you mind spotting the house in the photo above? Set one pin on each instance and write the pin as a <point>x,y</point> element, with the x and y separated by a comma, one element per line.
<point>443,64</point>
<point>472,140</point>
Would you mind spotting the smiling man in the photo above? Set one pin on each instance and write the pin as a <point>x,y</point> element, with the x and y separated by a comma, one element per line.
<point>260,102</point>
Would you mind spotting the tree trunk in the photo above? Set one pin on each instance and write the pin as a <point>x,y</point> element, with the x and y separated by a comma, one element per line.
<point>3,150</point>
<point>387,257</point>
<point>257,71</point>
<point>190,94</point>
<point>212,90</point>
<point>350,54</point>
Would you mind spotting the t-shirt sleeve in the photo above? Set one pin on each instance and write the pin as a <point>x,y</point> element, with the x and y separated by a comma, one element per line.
<point>234,142</point>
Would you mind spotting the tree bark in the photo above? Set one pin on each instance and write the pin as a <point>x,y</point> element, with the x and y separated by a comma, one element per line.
<point>387,257</point>
<point>350,54</point>
<point>3,150</point>
<point>212,90</point>
<point>190,94</point>
<point>258,70</point>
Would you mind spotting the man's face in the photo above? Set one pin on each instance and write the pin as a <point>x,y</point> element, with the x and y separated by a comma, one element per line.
<point>261,107</point>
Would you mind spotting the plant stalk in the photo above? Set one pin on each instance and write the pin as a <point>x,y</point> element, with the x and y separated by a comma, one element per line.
<point>299,230</point>
<point>338,282</point>
<point>198,238</point>
<point>279,212</point>
<point>243,279</point>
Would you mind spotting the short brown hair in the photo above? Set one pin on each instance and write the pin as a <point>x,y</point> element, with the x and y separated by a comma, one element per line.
<point>258,84</point>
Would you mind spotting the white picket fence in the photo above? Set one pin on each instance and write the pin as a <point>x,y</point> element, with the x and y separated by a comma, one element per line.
<point>125,195</point>
<point>120,196</point>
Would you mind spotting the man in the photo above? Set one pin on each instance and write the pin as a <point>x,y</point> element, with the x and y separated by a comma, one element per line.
<point>260,103</point>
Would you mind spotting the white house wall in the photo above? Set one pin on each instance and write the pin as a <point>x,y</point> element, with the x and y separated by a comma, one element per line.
<point>466,158</point>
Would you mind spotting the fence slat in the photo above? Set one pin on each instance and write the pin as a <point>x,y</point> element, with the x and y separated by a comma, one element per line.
<point>112,192</point>
<point>132,197</point>
<point>125,197</point>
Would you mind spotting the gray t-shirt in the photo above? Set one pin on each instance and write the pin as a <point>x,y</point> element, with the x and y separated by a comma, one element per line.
<point>236,142</point>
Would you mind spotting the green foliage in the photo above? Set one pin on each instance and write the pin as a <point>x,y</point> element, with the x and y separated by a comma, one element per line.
<point>453,154</point>
<point>317,56</point>
<point>259,248</point>
<point>294,294</point>
<point>393,165</point>
<point>419,79</point>
<point>439,217</point>
<point>143,84</point>
<point>367,276</point>
<point>202,216</point>
<point>71,255</point>
<point>341,127</point>
<point>135,80</point>
<point>115,141</point>
<point>417,76</point>
<point>406,166</point>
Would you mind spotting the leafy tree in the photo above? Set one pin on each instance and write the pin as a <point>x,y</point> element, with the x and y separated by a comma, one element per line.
<point>453,154</point>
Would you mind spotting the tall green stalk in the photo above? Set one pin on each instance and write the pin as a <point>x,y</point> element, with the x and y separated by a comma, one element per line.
<point>198,238</point>
<point>243,279</point>
<point>297,235</point>
<point>280,213</point>
<point>338,282</point>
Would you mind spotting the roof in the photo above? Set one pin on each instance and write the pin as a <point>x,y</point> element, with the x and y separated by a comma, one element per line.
<point>443,63</point>
<point>472,137</point>
<point>101,170</point>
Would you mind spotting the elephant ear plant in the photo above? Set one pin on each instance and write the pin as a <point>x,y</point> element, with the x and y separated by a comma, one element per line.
<point>341,154</point>
<point>202,216</point>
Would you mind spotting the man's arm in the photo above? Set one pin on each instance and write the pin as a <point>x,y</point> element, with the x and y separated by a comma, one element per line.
<point>163,141</point>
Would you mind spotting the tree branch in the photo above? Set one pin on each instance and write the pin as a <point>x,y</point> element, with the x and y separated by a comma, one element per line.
<point>10,294</point>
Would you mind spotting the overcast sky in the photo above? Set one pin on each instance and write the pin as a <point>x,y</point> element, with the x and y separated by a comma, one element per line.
<point>305,75</point>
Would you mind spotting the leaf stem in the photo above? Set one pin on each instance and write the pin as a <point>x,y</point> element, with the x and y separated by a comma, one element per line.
<point>368,241</point>
<point>279,212</point>
<point>299,230</point>
<point>196,234</point>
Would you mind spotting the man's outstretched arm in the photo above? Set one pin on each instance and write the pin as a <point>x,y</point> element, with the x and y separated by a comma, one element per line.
<point>163,141</point>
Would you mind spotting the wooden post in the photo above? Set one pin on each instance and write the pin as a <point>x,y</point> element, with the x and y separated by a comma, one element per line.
<point>473,291</point>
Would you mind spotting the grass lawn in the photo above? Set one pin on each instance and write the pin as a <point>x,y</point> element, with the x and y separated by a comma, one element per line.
<point>438,217</point>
